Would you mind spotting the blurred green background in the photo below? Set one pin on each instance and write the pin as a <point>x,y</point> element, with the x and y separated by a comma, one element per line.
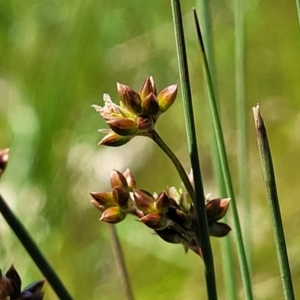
<point>57,58</point>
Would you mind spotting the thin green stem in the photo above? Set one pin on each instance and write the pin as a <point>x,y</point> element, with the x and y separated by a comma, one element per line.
<point>182,173</point>
<point>225,168</point>
<point>199,201</point>
<point>34,251</point>
<point>243,168</point>
<point>226,247</point>
<point>270,182</point>
<point>120,261</point>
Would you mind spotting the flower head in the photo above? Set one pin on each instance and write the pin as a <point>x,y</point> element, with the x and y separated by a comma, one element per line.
<point>136,113</point>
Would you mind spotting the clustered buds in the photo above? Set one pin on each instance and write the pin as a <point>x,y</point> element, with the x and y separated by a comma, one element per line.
<point>170,214</point>
<point>10,287</point>
<point>137,112</point>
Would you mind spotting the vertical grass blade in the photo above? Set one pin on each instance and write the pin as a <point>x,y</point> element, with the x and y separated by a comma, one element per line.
<point>226,248</point>
<point>34,251</point>
<point>243,168</point>
<point>199,201</point>
<point>225,169</point>
<point>269,178</point>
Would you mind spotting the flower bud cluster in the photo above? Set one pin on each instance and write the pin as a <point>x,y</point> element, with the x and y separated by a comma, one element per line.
<point>10,287</point>
<point>137,112</point>
<point>170,214</point>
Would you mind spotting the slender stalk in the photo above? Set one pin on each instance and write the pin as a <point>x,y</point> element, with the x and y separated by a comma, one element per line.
<point>182,173</point>
<point>34,251</point>
<point>269,178</point>
<point>199,201</point>
<point>120,261</point>
<point>243,167</point>
<point>225,169</point>
<point>226,247</point>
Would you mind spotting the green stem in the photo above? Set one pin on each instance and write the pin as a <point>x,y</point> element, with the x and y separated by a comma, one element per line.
<point>199,201</point>
<point>34,251</point>
<point>225,168</point>
<point>203,7</point>
<point>120,261</point>
<point>269,178</point>
<point>242,156</point>
<point>182,173</point>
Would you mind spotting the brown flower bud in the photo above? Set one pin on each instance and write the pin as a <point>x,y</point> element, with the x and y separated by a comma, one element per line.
<point>147,88</point>
<point>162,203</point>
<point>169,235</point>
<point>150,105</point>
<point>121,196</point>
<point>218,229</point>
<point>217,208</point>
<point>130,98</point>
<point>3,160</point>
<point>145,123</point>
<point>114,140</point>
<point>113,215</point>
<point>155,221</point>
<point>105,199</point>
<point>118,179</point>
<point>144,201</point>
<point>167,97</point>
<point>122,126</point>
<point>130,179</point>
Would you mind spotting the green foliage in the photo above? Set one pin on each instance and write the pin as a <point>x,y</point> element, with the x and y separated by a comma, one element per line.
<point>58,58</point>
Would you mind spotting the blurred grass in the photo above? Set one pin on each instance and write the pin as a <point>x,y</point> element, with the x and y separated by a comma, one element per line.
<point>58,58</point>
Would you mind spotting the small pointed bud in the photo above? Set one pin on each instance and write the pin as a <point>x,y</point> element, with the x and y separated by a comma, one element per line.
<point>122,126</point>
<point>173,193</point>
<point>121,196</point>
<point>179,217</point>
<point>156,221</point>
<point>35,286</point>
<point>114,140</point>
<point>218,229</point>
<point>105,199</point>
<point>118,179</point>
<point>147,88</point>
<point>113,215</point>
<point>3,160</point>
<point>130,179</point>
<point>185,202</point>
<point>145,123</point>
<point>98,206</point>
<point>169,235</point>
<point>162,203</point>
<point>150,105</point>
<point>130,98</point>
<point>144,201</point>
<point>167,97</point>
<point>217,208</point>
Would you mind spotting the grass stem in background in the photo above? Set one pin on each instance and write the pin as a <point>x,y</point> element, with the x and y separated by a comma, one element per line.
<point>225,169</point>
<point>242,157</point>
<point>226,247</point>
<point>199,201</point>
<point>120,261</point>
<point>34,251</point>
<point>269,178</point>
